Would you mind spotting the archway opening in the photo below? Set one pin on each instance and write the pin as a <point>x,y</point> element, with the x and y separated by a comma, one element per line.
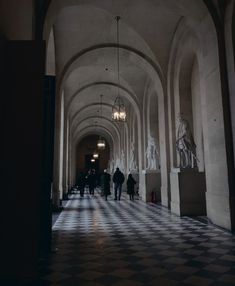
<point>84,155</point>
<point>190,171</point>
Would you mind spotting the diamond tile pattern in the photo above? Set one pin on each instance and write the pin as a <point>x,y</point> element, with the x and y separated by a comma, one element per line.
<point>131,243</point>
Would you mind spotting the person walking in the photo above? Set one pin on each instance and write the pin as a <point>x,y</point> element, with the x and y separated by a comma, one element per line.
<point>91,182</point>
<point>105,184</point>
<point>118,179</point>
<point>81,183</point>
<point>131,186</point>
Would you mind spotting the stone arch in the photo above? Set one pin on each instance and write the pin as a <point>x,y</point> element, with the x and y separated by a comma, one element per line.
<point>188,99</point>
<point>127,93</point>
<point>162,103</point>
<point>104,132</point>
<point>117,131</point>
<point>153,70</point>
<point>183,68</point>
<point>82,149</point>
<point>116,148</point>
<point>154,116</point>
<point>150,66</point>
<point>88,130</point>
<point>84,108</point>
<point>211,109</point>
<point>136,108</point>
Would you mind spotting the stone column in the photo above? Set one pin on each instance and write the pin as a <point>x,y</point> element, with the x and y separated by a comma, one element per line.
<point>48,151</point>
<point>58,154</point>
<point>22,158</point>
<point>65,161</point>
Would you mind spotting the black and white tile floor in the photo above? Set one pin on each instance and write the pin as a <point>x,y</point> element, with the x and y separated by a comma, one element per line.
<point>131,243</point>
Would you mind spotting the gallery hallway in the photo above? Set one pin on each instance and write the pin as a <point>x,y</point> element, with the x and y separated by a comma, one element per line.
<point>129,243</point>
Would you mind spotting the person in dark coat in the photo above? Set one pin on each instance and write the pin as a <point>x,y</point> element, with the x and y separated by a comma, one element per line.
<point>105,184</point>
<point>91,179</point>
<point>81,183</point>
<point>118,179</point>
<point>131,186</point>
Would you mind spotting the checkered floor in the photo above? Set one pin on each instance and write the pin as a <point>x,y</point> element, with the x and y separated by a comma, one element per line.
<point>131,243</point>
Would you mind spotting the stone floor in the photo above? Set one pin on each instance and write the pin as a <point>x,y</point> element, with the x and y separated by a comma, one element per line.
<point>131,243</point>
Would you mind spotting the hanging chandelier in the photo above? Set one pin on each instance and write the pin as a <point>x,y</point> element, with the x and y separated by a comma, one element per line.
<point>118,109</point>
<point>101,142</point>
<point>95,155</point>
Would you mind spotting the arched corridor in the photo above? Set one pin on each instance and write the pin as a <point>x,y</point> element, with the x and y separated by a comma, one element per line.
<point>145,86</point>
<point>128,243</point>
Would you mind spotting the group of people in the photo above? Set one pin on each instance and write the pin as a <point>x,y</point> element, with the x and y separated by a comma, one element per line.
<point>89,179</point>
<point>118,179</point>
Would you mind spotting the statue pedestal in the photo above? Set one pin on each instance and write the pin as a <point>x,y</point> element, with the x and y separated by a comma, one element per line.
<point>150,181</point>
<point>188,188</point>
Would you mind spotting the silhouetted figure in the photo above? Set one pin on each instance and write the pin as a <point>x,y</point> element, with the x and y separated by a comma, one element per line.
<point>105,184</point>
<point>81,183</point>
<point>91,179</point>
<point>131,187</point>
<point>118,179</point>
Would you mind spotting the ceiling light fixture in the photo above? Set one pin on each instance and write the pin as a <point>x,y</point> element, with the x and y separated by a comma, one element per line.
<point>95,155</point>
<point>118,109</point>
<point>101,142</point>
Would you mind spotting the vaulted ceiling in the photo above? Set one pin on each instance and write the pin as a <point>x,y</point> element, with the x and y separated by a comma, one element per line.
<point>82,50</point>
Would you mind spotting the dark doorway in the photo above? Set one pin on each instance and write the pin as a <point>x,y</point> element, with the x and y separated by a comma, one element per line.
<point>90,164</point>
<point>84,153</point>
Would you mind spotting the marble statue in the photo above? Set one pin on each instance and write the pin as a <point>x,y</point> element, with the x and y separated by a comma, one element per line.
<point>151,154</point>
<point>185,145</point>
<point>122,161</point>
<point>133,165</point>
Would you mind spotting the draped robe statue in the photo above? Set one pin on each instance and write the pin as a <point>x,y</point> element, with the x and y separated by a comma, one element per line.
<point>185,145</point>
<point>133,165</point>
<point>151,154</point>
